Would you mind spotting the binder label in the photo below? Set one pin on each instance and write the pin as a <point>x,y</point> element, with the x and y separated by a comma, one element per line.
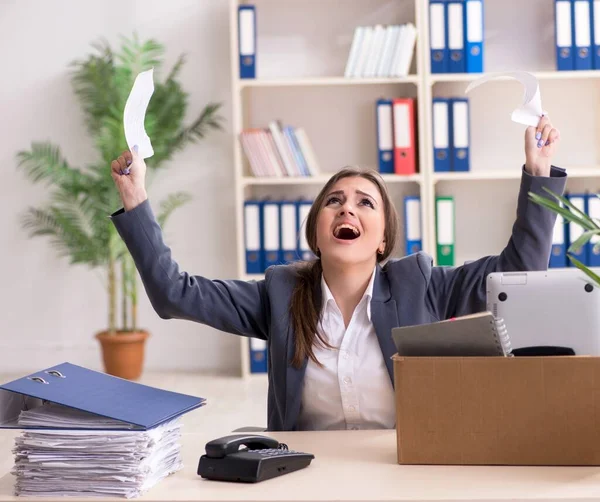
<point>247,33</point>
<point>460,113</point>
<point>271,223</point>
<point>597,22</point>
<point>563,27</point>
<point>384,119</point>
<point>582,24</point>
<point>438,35</point>
<point>413,220</point>
<point>402,118</point>
<point>455,35</point>
<point>445,225</point>
<point>440,125</point>
<point>475,24</point>
<point>252,230</point>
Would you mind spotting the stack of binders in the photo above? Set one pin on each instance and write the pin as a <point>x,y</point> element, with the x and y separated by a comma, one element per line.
<point>456,36</point>
<point>274,233</point>
<point>577,24</point>
<point>451,134</point>
<point>396,136</point>
<point>565,234</point>
<point>86,433</point>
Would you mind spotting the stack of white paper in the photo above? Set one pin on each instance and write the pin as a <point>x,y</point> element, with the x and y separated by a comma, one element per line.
<point>91,458</point>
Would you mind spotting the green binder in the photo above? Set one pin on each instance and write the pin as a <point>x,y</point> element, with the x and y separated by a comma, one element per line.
<point>444,215</point>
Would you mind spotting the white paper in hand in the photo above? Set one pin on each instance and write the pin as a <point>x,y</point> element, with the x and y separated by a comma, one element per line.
<point>530,111</point>
<point>135,114</point>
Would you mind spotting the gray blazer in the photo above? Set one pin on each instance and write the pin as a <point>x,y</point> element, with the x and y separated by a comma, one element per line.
<point>407,291</point>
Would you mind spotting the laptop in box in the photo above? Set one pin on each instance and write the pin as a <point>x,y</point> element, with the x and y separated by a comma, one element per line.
<point>557,307</point>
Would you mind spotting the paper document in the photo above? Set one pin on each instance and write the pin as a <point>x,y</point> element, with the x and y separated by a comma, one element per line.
<point>90,459</point>
<point>530,112</point>
<point>135,114</point>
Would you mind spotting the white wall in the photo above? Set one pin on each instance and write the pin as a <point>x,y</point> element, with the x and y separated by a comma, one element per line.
<point>50,310</point>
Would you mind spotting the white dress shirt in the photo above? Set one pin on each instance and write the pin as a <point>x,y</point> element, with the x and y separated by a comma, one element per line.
<point>353,389</point>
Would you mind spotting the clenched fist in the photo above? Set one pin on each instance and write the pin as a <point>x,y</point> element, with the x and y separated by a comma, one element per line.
<point>541,143</point>
<point>129,174</point>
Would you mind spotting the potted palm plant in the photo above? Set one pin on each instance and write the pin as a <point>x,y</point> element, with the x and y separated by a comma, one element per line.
<point>562,207</point>
<point>75,218</point>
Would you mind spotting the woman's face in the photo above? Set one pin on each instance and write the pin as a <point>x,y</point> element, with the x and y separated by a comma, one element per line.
<point>351,222</point>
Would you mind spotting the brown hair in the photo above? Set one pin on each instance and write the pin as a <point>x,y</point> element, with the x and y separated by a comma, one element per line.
<point>306,297</point>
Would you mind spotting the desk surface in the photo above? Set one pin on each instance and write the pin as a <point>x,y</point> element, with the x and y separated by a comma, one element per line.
<point>361,465</point>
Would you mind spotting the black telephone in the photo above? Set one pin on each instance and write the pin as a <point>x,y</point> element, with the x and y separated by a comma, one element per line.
<point>262,458</point>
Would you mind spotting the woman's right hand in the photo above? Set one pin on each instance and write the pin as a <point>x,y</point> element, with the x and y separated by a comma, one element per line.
<point>129,174</point>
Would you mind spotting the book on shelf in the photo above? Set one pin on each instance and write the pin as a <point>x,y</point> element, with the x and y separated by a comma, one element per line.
<point>279,151</point>
<point>381,51</point>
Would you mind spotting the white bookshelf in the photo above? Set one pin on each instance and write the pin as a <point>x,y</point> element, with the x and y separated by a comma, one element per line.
<point>301,84</point>
<point>324,81</point>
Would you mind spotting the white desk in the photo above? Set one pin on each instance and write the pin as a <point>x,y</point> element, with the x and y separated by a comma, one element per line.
<point>361,465</point>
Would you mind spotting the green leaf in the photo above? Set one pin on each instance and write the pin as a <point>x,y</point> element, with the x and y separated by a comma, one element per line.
<point>170,204</point>
<point>595,277</point>
<point>176,69</point>
<point>45,163</point>
<point>566,202</point>
<point>93,81</point>
<point>585,222</point>
<point>582,240</point>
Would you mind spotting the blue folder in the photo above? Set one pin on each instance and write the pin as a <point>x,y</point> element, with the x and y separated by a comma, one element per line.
<point>474,36</point>
<point>385,135</point>
<point>455,22</point>
<point>564,35</point>
<point>438,41</point>
<point>583,43</point>
<point>595,15</point>
<point>70,385</point>
<point>247,40</point>
<point>441,134</point>
<point>459,134</point>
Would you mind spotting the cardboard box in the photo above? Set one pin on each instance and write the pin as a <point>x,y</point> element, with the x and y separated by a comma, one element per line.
<point>498,410</point>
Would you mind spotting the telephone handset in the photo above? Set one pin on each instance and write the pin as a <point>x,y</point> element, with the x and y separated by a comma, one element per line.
<point>249,458</point>
<point>221,447</point>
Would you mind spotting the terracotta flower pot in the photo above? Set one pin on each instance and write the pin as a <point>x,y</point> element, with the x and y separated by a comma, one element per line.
<point>123,352</point>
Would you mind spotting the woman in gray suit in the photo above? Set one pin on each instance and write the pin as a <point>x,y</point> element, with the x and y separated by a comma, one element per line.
<point>328,322</point>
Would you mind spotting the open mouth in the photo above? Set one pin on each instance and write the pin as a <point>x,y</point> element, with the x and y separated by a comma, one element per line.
<point>346,232</point>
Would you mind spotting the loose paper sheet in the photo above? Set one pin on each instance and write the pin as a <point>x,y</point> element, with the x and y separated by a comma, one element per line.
<point>135,113</point>
<point>83,462</point>
<point>530,111</point>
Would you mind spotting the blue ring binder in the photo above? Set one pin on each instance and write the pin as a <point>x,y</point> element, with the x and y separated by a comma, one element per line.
<point>140,406</point>
<point>38,379</point>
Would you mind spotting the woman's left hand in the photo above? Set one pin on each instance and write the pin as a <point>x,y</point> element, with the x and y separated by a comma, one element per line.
<point>541,143</point>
